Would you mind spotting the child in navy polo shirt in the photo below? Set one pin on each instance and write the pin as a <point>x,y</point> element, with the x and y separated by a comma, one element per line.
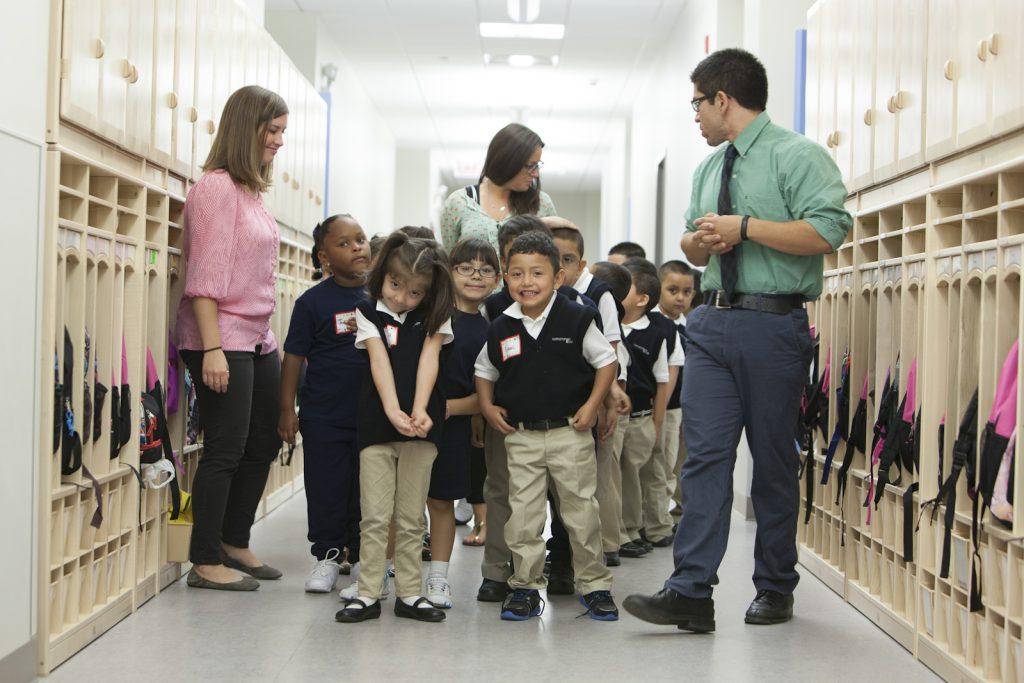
<point>541,380</point>
<point>322,335</point>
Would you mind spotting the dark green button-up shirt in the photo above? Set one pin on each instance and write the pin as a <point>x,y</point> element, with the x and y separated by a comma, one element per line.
<point>778,176</point>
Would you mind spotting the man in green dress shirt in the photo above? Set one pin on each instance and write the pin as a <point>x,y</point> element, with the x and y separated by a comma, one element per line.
<point>765,208</point>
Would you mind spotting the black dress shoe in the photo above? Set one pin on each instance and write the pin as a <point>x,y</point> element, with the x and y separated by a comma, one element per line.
<point>669,608</point>
<point>352,613</point>
<point>632,549</point>
<point>561,581</point>
<point>492,591</point>
<point>612,559</point>
<point>770,607</point>
<point>415,611</point>
<point>662,542</point>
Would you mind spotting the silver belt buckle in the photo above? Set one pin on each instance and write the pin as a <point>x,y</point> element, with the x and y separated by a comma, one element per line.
<point>719,298</point>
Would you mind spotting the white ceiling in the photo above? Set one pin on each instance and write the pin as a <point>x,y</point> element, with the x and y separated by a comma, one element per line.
<point>422,64</point>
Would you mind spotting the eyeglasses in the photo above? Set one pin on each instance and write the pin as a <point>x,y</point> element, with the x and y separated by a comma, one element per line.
<point>466,270</point>
<point>530,168</point>
<point>695,102</point>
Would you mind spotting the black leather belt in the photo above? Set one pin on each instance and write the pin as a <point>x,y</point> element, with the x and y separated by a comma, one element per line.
<point>545,425</point>
<point>642,413</point>
<point>765,303</point>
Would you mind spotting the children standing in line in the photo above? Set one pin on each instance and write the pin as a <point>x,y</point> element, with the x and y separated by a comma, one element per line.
<point>648,392</point>
<point>678,290</point>
<point>402,327</point>
<point>319,335</point>
<point>541,380</point>
<point>475,274</point>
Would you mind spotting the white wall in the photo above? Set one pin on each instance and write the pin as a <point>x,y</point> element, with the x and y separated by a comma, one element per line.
<point>583,209</point>
<point>414,193</point>
<point>24,42</point>
<point>615,179</point>
<point>361,156</point>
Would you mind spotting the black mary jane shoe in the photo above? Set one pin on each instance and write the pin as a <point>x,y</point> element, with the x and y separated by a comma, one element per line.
<point>351,614</point>
<point>414,611</point>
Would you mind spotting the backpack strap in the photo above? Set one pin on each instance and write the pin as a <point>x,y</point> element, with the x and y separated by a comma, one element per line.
<point>474,192</point>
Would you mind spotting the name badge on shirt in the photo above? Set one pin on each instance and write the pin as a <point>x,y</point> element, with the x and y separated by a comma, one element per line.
<point>391,332</point>
<point>342,321</point>
<point>510,348</point>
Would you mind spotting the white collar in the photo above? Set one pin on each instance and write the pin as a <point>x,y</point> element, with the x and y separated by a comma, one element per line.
<point>383,308</point>
<point>640,324</point>
<point>583,281</point>
<point>516,311</point>
<point>675,321</point>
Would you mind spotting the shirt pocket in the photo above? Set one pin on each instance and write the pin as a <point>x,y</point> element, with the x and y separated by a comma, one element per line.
<point>769,206</point>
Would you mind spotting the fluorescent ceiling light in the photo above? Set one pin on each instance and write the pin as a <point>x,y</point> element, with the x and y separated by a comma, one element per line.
<point>521,61</point>
<point>535,31</point>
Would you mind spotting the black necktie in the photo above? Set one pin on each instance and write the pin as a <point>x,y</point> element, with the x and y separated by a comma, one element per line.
<point>728,263</point>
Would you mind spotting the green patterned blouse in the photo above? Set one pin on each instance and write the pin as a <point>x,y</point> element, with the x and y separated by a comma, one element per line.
<point>464,217</point>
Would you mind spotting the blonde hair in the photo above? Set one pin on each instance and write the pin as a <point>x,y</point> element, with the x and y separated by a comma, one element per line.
<point>238,146</point>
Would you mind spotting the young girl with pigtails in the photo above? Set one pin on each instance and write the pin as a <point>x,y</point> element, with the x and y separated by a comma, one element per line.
<point>322,336</point>
<point>402,326</point>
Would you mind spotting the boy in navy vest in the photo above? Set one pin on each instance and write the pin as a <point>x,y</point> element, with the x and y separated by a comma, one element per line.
<point>648,387</point>
<point>677,294</point>
<point>495,567</point>
<point>541,380</point>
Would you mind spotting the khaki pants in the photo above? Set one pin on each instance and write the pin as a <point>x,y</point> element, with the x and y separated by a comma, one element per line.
<point>393,482</point>
<point>656,479</point>
<point>609,485</point>
<point>677,491</point>
<point>636,451</point>
<point>566,458</point>
<point>495,565</point>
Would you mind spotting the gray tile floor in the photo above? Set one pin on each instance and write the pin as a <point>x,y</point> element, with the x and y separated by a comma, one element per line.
<point>280,633</point>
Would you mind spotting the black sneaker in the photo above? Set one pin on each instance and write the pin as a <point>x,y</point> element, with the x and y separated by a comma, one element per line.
<point>600,606</point>
<point>632,549</point>
<point>561,580</point>
<point>521,604</point>
<point>492,591</point>
<point>612,559</point>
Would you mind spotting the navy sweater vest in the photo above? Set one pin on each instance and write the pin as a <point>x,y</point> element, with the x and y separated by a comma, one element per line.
<point>644,346</point>
<point>403,342</point>
<point>547,377</point>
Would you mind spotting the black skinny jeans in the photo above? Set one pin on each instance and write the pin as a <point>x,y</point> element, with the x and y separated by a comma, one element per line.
<point>239,442</point>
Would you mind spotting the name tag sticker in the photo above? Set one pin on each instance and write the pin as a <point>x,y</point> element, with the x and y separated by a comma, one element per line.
<point>342,321</point>
<point>510,348</point>
<point>391,332</point>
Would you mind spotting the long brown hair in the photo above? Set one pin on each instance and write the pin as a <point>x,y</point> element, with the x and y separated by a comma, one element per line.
<point>416,257</point>
<point>238,146</point>
<point>509,151</point>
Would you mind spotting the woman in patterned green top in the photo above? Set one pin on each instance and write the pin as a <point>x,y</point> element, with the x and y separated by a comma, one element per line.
<point>509,186</point>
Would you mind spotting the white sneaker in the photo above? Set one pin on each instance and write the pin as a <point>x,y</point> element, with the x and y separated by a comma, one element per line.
<point>351,591</point>
<point>324,574</point>
<point>439,593</point>
<point>463,512</point>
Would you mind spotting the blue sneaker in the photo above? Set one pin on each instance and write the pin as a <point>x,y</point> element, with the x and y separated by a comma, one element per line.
<point>521,604</point>
<point>600,606</point>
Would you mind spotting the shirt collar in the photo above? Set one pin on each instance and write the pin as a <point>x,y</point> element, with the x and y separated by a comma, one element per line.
<point>745,140</point>
<point>674,320</point>
<point>583,281</point>
<point>516,311</point>
<point>383,308</point>
<point>641,324</point>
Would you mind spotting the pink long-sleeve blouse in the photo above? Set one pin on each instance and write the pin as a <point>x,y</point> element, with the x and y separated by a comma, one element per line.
<point>231,252</point>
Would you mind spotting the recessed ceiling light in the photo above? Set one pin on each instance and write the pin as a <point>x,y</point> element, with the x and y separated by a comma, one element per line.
<point>521,61</point>
<point>534,31</point>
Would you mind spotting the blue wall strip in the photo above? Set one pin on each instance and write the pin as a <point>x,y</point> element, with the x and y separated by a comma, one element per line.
<point>800,77</point>
<point>326,95</point>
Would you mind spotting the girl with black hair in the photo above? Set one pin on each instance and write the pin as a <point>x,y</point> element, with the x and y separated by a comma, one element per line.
<point>402,327</point>
<point>321,335</point>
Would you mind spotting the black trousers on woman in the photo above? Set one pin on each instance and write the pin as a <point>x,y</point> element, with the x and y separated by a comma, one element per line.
<point>239,442</point>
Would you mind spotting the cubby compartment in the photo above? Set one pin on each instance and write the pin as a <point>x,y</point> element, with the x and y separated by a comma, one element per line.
<point>980,228</point>
<point>980,196</point>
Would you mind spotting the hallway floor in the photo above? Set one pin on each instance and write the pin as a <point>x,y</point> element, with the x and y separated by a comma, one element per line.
<point>281,633</point>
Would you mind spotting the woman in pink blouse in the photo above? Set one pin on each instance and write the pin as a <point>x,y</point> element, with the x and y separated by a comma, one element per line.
<point>224,337</point>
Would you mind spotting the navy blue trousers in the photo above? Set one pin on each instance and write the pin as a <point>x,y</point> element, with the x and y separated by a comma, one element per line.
<point>744,370</point>
<point>331,474</point>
